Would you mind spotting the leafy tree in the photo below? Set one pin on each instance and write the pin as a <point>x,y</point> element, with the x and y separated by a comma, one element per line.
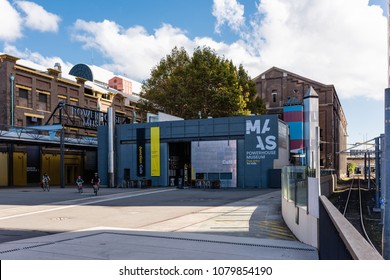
<point>204,84</point>
<point>255,104</point>
<point>351,167</point>
<point>165,89</point>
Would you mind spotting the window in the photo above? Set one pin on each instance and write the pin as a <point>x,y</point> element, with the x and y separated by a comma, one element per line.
<point>226,176</point>
<point>33,121</point>
<point>88,91</point>
<point>23,93</point>
<point>213,176</point>
<point>274,93</point>
<point>42,98</point>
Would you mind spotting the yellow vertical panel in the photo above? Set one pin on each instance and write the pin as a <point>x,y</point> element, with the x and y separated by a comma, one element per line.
<point>55,170</point>
<point>4,169</point>
<point>20,168</point>
<point>51,165</point>
<point>45,163</point>
<point>155,150</point>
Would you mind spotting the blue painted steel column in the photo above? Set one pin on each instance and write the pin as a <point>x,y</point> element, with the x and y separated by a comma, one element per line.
<point>377,173</point>
<point>386,187</point>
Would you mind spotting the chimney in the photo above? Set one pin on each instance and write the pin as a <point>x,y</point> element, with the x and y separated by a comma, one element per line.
<point>56,70</point>
<point>57,66</point>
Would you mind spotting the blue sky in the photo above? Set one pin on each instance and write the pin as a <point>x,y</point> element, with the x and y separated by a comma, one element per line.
<point>339,42</point>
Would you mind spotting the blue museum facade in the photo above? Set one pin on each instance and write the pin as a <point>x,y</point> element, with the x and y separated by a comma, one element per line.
<point>232,152</point>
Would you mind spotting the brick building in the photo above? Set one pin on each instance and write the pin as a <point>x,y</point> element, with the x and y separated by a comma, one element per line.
<point>30,95</point>
<point>279,88</point>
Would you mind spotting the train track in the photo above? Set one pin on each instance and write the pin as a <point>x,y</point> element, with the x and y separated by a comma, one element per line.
<point>355,207</point>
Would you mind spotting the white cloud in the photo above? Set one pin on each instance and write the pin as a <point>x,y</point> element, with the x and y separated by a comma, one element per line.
<point>36,60</point>
<point>37,18</point>
<point>228,12</point>
<point>10,22</point>
<point>133,51</point>
<point>340,42</point>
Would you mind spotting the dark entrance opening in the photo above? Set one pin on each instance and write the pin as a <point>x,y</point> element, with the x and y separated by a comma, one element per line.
<point>33,164</point>
<point>180,164</point>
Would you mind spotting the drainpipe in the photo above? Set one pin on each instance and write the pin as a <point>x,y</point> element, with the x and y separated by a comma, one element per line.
<point>12,79</point>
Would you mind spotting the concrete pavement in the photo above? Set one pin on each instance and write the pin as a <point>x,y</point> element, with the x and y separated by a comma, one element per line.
<point>122,244</point>
<point>251,228</point>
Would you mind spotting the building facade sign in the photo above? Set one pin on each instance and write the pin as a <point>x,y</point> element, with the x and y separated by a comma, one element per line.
<point>141,152</point>
<point>90,119</point>
<point>261,138</point>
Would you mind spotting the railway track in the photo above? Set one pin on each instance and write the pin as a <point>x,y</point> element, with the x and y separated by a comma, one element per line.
<point>355,207</point>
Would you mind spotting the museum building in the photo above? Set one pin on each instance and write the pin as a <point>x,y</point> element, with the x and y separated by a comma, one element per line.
<point>231,152</point>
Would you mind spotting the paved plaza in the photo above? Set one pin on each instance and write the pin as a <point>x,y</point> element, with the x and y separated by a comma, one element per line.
<point>155,223</point>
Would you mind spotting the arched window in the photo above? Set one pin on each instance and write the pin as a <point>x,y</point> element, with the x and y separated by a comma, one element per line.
<point>274,94</point>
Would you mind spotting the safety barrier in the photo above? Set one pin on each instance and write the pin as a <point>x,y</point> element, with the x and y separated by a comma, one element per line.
<point>339,239</point>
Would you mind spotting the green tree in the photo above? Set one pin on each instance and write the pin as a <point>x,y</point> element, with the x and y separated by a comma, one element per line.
<point>204,84</point>
<point>351,167</point>
<point>165,89</point>
<point>255,104</point>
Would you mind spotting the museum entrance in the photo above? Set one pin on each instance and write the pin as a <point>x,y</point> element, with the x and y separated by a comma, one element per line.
<point>179,164</point>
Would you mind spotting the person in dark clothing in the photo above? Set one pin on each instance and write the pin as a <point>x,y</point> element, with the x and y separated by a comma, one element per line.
<point>95,182</point>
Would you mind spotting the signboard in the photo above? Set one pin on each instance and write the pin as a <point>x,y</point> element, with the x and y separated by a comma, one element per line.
<point>261,139</point>
<point>140,152</point>
<point>155,151</point>
<point>87,118</point>
<point>79,117</point>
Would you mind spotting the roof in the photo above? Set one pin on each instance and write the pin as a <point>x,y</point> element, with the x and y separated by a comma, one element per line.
<point>274,68</point>
<point>98,73</point>
<point>103,75</point>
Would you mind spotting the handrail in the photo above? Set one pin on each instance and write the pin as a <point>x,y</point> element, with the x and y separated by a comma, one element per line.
<point>355,243</point>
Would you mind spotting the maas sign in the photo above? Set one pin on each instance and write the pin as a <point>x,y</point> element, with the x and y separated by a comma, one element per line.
<point>261,139</point>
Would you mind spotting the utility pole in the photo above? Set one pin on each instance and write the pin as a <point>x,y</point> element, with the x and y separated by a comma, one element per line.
<point>386,186</point>
<point>386,161</point>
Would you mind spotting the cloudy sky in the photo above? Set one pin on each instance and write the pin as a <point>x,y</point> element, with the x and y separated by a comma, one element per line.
<point>339,42</point>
